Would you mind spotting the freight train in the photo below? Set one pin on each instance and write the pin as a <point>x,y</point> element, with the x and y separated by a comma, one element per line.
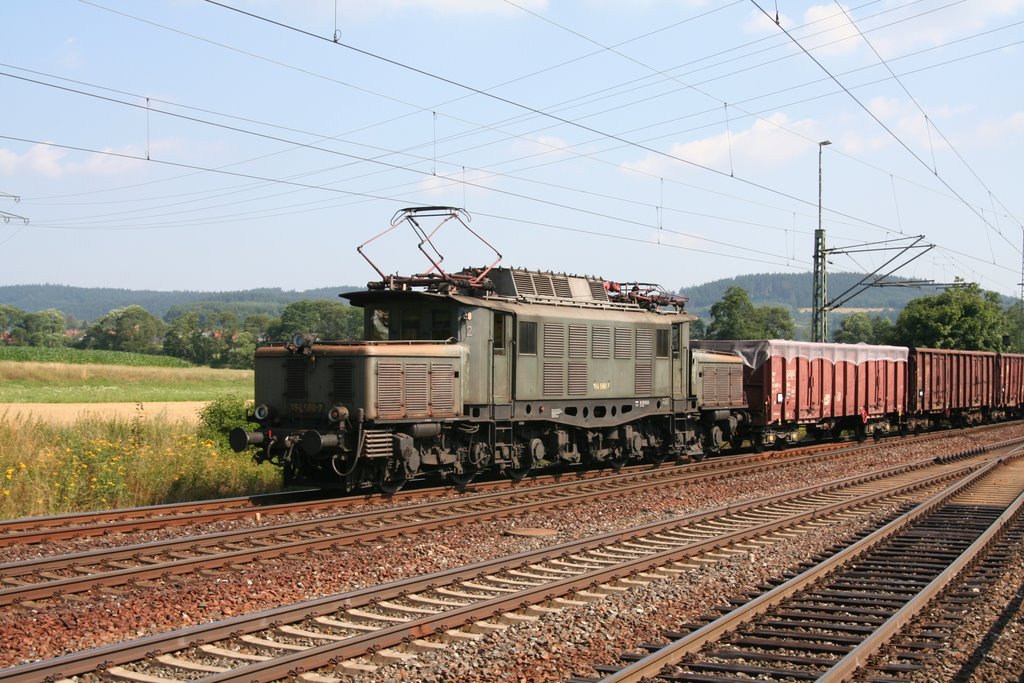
<point>507,371</point>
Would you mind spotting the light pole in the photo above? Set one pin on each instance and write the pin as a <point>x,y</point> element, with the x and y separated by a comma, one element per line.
<point>819,317</point>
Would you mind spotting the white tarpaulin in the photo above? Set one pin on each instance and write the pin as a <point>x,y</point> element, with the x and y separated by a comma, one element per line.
<point>755,352</point>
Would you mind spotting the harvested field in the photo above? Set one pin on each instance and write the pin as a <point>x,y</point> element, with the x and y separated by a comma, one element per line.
<point>67,413</point>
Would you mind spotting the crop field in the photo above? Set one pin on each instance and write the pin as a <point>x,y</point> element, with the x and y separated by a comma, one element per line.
<point>86,356</point>
<point>105,430</point>
<point>58,382</point>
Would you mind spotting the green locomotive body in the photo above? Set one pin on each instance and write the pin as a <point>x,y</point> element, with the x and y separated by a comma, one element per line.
<point>494,370</point>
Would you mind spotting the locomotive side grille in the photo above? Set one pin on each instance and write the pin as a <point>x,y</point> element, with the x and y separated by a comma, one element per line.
<point>597,290</point>
<point>416,390</point>
<point>645,344</point>
<point>562,288</point>
<point>389,389</point>
<point>554,340</point>
<point>343,389</point>
<point>542,283</point>
<point>554,379</point>
<point>577,341</point>
<point>643,384</point>
<point>524,283</point>
<point>623,342</point>
<point>577,379</point>
<point>442,388</point>
<point>377,443</point>
<point>295,378</point>
<point>723,386</point>
<point>602,342</point>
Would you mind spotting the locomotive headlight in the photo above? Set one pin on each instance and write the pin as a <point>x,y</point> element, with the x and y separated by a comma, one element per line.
<point>337,414</point>
<point>301,340</point>
<point>262,412</point>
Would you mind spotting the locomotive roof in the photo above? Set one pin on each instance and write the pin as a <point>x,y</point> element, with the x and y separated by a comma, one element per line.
<point>510,288</point>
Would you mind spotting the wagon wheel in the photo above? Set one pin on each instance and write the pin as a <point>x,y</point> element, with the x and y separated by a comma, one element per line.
<point>656,456</point>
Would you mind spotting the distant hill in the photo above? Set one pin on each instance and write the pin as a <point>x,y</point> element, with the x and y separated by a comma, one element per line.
<point>89,303</point>
<point>793,290</point>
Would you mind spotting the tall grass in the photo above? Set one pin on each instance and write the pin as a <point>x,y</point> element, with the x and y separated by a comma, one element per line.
<point>95,464</point>
<point>34,382</point>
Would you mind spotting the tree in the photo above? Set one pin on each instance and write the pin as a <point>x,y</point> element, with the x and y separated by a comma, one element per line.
<point>735,317</point>
<point>45,328</point>
<point>132,328</point>
<point>329,320</point>
<point>856,328</point>
<point>11,318</point>
<point>776,322</point>
<point>962,317</point>
<point>261,326</point>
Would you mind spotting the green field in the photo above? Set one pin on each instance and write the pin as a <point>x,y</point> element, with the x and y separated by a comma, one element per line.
<point>23,354</point>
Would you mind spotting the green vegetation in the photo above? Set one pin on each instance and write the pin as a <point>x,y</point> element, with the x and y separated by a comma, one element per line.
<point>963,317</point>
<point>36,354</point>
<point>735,317</point>
<point>27,382</point>
<point>94,464</point>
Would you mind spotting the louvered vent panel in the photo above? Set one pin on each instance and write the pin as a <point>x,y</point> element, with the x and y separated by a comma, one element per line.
<point>377,443</point>
<point>554,379</point>
<point>602,342</point>
<point>442,388</point>
<point>295,378</point>
<point>736,397</point>
<point>343,390</point>
<point>542,283</point>
<point>578,379</point>
<point>577,341</point>
<point>524,283</point>
<point>623,342</point>
<point>723,386</point>
<point>645,344</point>
<point>562,288</point>
<point>554,340</point>
<point>389,389</point>
<point>416,388</point>
<point>597,290</point>
<point>643,381</point>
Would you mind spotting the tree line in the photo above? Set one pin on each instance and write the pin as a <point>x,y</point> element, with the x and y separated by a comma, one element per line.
<point>961,317</point>
<point>202,335</point>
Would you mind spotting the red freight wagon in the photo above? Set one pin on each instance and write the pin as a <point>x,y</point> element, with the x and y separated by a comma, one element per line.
<point>949,383</point>
<point>1010,394</point>
<point>830,387</point>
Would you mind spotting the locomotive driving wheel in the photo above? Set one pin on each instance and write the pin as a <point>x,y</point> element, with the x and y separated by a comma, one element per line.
<point>393,476</point>
<point>479,457</point>
<point>522,463</point>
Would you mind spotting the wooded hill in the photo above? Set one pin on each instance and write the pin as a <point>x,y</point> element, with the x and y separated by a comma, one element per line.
<point>793,291</point>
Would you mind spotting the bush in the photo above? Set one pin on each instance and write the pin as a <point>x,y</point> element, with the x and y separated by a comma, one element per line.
<point>220,416</point>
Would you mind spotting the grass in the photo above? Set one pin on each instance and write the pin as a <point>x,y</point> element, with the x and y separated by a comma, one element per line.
<point>59,382</point>
<point>22,354</point>
<point>94,464</point>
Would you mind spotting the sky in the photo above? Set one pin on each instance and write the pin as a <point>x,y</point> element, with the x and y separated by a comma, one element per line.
<point>199,145</point>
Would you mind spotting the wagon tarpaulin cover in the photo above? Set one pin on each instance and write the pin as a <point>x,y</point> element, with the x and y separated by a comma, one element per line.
<point>807,382</point>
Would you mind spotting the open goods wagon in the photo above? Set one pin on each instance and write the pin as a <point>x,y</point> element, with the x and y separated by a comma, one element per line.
<point>823,388</point>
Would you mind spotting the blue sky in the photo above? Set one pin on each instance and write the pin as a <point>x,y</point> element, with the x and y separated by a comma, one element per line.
<point>182,144</point>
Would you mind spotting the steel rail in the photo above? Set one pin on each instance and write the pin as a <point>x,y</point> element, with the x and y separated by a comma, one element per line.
<point>102,658</point>
<point>388,523</point>
<point>858,656</point>
<point>673,653</point>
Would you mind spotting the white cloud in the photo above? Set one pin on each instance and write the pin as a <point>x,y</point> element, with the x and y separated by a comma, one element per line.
<point>768,143</point>
<point>54,162</point>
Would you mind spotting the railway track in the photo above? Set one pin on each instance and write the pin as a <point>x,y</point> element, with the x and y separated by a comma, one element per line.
<point>96,523</point>
<point>358,630</point>
<point>44,577</point>
<point>833,619</point>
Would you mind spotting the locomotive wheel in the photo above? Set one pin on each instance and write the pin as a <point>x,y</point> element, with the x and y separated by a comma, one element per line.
<point>618,460</point>
<point>393,477</point>
<point>518,472</point>
<point>464,478</point>
<point>656,456</point>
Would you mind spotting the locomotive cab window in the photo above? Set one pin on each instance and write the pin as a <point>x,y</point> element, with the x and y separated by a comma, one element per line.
<point>499,331</point>
<point>661,344</point>
<point>528,338</point>
<point>378,324</point>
